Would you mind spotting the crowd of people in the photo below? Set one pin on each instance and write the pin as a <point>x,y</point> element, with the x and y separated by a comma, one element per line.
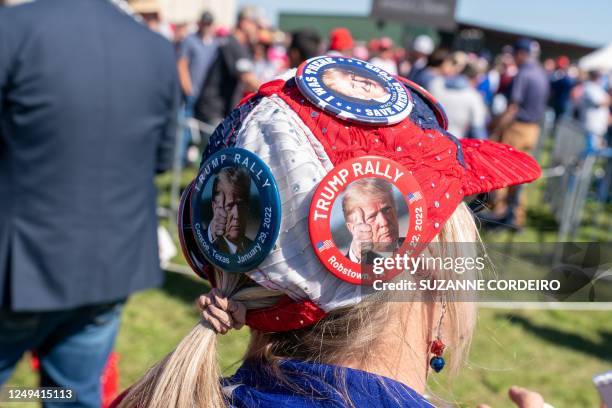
<point>502,97</point>
<point>484,82</point>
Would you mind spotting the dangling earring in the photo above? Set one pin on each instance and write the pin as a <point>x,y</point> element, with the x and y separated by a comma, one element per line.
<point>437,346</point>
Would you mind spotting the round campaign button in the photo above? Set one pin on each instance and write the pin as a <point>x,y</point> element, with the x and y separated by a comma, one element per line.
<point>366,209</point>
<point>235,210</point>
<point>354,90</point>
<point>190,249</point>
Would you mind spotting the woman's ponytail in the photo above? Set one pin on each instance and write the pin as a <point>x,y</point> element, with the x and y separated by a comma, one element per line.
<point>187,378</point>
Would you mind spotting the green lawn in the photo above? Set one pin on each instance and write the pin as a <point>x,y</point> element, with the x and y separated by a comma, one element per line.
<point>553,352</point>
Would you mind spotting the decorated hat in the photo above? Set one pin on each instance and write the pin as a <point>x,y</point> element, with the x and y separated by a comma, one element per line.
<point>294,175</point>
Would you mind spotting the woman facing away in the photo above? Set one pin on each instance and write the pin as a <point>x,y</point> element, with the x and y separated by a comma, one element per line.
<point>319,336</point>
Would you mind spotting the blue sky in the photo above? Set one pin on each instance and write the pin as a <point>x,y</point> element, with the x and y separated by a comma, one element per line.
<point>587,21</point>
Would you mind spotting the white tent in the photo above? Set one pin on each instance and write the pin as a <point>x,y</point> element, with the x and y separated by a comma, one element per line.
<point>600,59</point>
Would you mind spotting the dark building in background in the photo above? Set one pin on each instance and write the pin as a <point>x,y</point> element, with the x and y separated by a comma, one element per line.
<point>432,17</point>
<point>362,27</point>
<point>474,38</point>
<point>439,14</point>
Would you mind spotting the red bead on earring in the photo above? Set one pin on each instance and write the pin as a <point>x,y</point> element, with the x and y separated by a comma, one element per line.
<point>437,347</point>
<point>437,362</point>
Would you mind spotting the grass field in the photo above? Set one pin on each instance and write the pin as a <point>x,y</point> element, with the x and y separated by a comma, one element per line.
<point>553,352</point>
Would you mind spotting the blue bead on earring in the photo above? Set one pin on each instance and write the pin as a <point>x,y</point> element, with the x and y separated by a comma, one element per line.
<point>437,363</point>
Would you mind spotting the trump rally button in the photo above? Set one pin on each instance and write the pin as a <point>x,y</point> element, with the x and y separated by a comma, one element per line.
<point>235,210</point>
<point>366,208</point>
<point>354,90</point>
<point>190,249</point>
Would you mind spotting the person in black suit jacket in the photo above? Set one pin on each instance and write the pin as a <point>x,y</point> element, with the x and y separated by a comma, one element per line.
<point>371,218</point>
<point>87,117</point>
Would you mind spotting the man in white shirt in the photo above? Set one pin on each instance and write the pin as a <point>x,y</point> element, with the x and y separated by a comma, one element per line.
<point>595,110</point>
<point>464,105</point>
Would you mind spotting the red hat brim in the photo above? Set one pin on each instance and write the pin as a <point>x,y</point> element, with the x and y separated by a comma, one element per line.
<point>492,165</point>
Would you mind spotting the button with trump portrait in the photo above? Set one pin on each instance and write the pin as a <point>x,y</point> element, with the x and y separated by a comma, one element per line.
<point>191,252</point>
<point>366,208</point>
<point>354,90</point>
<point>235,210</point>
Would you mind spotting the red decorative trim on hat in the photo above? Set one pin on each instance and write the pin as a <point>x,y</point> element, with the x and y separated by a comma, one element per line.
<point>267,89</point>
<point>272,87</point>
<point>494,165</point>
<point>245,99</point>
<point>285,315</point>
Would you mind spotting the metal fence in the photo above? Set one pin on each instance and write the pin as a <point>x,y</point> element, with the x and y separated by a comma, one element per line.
<point>570,177</point>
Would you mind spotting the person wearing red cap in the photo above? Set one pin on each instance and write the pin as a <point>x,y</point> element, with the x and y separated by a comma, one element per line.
<point>561,84</point>
<point>373,46</point>
<point>319,336</point>
<point>340,42</point>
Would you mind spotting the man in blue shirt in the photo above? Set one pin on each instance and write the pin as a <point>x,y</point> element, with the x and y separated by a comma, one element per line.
<point>196,54</point>
<point>519,125</point>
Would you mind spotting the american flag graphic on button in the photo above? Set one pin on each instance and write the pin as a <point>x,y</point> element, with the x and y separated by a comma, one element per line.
<point>414,196</point>
<point>323,245</point>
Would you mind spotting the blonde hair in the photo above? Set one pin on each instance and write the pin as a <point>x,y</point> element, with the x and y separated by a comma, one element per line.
<point>189,377</point>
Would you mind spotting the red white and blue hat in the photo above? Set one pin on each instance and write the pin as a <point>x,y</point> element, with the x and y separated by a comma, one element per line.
<point>292,137</point>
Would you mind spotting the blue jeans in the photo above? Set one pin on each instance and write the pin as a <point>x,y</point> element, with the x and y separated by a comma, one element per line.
<point>73,346</point>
